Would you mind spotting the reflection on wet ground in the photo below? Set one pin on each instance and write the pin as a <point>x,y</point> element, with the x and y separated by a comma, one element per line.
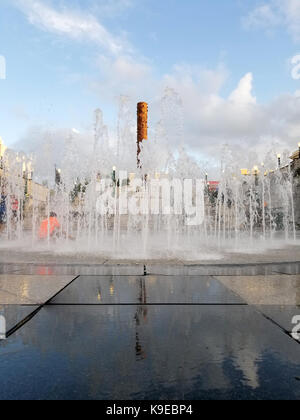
<point>149,353</point>
<point>178,334</point>
<point>16,314</point>
<point>31,290</point>
<point>265,290</point>
<point>154,289</point>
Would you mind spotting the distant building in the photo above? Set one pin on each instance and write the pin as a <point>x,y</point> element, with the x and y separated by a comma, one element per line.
<point>295,166</point>
<point>35,195</point>
<point>2,151</point>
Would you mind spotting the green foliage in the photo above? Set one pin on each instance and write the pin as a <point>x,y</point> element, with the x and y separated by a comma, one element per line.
<point>78,189</point>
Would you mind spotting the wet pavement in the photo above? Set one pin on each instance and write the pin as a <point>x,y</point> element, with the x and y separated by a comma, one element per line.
<point>149,332</point>
<point>31,290</point>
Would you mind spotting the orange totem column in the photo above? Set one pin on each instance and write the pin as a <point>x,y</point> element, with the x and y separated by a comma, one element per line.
<point>142,127</point>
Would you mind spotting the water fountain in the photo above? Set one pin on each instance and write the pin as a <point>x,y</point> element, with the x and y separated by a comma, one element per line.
<point>110,207</point>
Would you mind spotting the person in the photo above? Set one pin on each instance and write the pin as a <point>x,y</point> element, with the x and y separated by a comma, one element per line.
<point>2,212</point>
<point>49,226</point>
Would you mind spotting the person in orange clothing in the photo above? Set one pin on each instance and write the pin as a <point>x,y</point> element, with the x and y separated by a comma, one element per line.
<point>49,226</point>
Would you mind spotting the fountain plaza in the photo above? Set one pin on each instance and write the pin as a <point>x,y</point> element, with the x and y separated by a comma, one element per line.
<point>158,283</point>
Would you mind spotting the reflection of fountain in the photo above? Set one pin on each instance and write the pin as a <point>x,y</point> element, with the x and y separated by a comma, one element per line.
<point>140,318</point>
<point>184,356</point>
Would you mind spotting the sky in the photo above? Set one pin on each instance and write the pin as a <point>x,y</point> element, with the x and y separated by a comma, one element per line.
<point>233,63</point>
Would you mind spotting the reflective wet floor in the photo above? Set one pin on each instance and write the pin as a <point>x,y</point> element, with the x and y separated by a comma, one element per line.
<point>155,332</point>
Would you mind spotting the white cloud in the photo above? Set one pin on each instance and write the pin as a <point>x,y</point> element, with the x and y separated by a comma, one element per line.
<point>291,10</point>
<point>243,93</point>
<point>194,112</point>
<point>123,75</point>
<point>76,25</point>
<point>276,13</point>
<point>209,118</point>
<point>262,16</point>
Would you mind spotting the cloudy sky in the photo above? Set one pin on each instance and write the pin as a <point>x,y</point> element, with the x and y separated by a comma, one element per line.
<point>234,64</point>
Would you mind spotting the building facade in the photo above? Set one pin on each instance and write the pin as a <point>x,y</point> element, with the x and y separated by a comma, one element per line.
<point>296,171</point>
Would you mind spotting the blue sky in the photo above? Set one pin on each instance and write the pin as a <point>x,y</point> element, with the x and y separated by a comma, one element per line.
<point>229,61</point>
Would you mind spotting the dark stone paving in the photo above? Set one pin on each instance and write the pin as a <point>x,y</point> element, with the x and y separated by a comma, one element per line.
<point>16,314</point>
<point>282,315</point>
<point>129,352</point>
<point>117,334</point>
<point>146,290</point>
